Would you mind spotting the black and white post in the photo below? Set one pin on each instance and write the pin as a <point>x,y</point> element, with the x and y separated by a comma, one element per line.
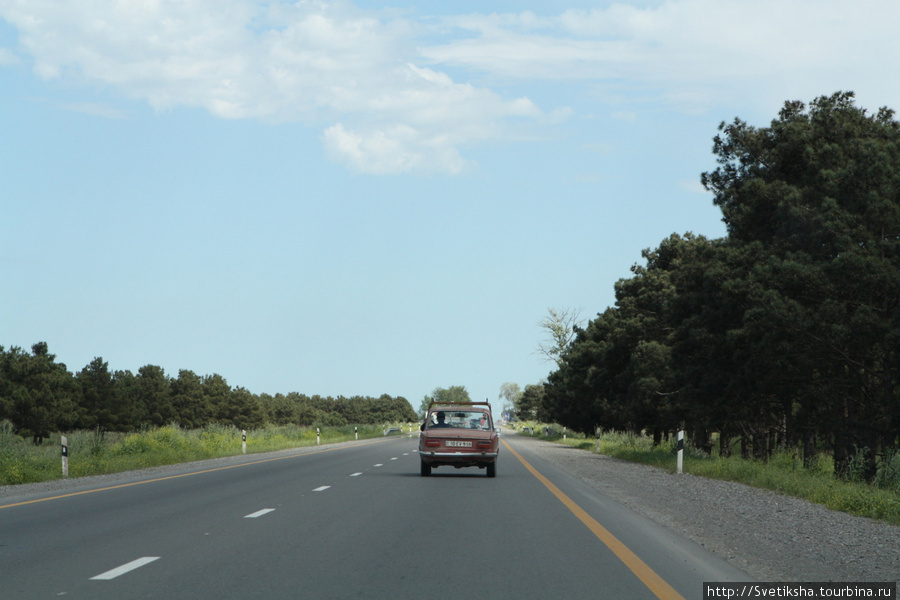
<point>356,432</point>
<point>318,433</point>
<point>244,441</point>
<point>65,457</point>
<point>680,460</point>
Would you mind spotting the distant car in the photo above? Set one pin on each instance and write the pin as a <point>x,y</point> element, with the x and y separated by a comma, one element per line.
<point>459,434</point>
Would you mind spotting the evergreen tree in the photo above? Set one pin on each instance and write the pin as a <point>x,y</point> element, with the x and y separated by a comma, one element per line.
<point>819,192</point>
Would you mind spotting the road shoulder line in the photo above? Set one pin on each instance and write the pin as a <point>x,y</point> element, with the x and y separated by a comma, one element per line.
<point>648,576</point>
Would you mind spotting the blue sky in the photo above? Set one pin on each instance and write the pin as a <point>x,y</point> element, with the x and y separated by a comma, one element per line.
<point>365,198</point>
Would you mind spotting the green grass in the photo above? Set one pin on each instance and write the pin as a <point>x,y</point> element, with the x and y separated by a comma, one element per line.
<point>93,453</point>
<point>784,473</point>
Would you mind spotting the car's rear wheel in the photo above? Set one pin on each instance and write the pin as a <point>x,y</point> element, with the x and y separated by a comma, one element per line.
<point>426,469</point>
<point>492,469</point>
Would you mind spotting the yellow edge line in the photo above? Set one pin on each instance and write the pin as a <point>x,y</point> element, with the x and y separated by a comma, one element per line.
<point>648,577</point>
<point>124,485</point>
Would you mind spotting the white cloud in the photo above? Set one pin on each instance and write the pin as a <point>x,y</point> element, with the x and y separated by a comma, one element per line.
<point>379,85</point>
<point>96,109</point>
<point>691,53</point>
<point>7,57</point>
<point>397,149</point>
<point>310,61</point>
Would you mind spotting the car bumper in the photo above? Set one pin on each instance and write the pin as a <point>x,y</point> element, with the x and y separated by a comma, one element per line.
<point>458,458</point>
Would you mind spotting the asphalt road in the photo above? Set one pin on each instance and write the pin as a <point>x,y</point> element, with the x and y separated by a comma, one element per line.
<point>345,521</point>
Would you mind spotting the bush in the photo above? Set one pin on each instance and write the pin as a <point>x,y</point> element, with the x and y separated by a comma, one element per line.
<point>888,477</point>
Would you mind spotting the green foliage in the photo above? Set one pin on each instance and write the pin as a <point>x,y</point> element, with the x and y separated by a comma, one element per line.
<point>511,393</point>
<point>783,334</point>
<point>530,403</point>
<point>888,477</point>
<point>96,453</point>
<point>454,393</point>
<point>38,396</point>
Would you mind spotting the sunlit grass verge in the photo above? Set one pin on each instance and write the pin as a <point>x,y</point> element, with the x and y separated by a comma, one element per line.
<point>784,473</point>
<point>98,453</point>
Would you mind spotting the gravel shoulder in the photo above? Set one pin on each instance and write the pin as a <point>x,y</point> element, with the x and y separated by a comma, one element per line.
<point>770,536</point>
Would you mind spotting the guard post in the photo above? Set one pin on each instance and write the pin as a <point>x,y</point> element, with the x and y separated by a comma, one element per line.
<point>244,441</point>
<point>680,460</point>
<point>65,457</point>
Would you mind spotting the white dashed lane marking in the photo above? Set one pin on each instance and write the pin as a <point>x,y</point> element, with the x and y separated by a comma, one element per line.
<point>135,564</point>
<point>140,562</point>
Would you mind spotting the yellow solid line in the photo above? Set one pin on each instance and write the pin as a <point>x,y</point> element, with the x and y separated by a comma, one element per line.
<point>648,577</point>
<point>124,485</point>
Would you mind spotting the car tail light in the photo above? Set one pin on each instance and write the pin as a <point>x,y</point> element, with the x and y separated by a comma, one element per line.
<point>484,444</point>
<point>432,443</point>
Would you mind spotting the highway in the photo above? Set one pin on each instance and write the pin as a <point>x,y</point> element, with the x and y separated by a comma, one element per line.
<point>351,520</point>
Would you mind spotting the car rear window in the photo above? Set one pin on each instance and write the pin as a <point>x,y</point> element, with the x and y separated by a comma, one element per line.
<point>459,419</point>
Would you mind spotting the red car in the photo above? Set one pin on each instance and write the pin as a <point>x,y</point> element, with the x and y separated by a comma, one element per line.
<point>459,434</point>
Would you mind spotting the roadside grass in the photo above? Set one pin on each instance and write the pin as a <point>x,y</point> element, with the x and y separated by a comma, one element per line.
<point>784,473</point>
<point>100,453</point>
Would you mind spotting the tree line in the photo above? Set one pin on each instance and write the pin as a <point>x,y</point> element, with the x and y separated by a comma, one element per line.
<point>38,395</point>
<point>454,393</point>
<point>783,334</point>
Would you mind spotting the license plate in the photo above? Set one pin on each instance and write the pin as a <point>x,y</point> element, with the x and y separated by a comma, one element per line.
<point>458,444</point>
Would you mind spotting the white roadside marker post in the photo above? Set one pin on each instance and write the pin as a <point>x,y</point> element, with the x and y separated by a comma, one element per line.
<point>65,457</point>
<point>318,433</point>
<point>680,461</point>
<point>244,441</point>
<point>356,432</point>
